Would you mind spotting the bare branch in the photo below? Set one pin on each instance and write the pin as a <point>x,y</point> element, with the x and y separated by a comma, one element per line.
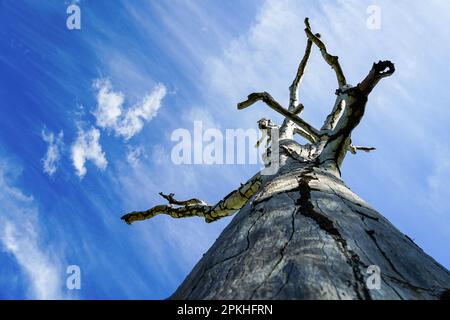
<point>307,131</point>
<point>379,70</point>
<point>353,149</point>
<point>195,207</point>
<point>294,154</point>
<point>170,198</point>
<point>179,212</point>
<point>293,89</point>
<point>265,126</point>
<point>355,99</point>
<point>332,61</point>
<point>333,117</point>
<point>298,109</point>
<point>305,134</point>
<point>288,128</point>
<point>307,25</point>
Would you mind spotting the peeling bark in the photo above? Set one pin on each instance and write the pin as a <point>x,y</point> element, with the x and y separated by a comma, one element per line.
<point>302,233</point>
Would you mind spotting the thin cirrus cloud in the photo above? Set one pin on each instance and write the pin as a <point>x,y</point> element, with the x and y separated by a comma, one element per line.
<point>87,148</point>
<point>52,157</point>
<point>20,237</point>
<point>134,154</point>
<point>111,114</point>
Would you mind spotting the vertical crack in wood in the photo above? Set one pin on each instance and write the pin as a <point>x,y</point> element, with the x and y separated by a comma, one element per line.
<point>282,252</point>
<point>291,267</point>
<point>261,214</point>
<point>307,209</point>
<point>371,234</point>
<point>228,258</point>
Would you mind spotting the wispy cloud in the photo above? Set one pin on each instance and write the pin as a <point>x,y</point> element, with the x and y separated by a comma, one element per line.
<point>52,157</point>
<point>87,148</point>
<point>20,236</point>
<point>160,154</point>
<point>134,154</point>
<point>111,114</point>
<point>436,186</point>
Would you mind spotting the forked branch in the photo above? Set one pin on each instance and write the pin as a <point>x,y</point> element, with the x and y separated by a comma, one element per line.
<point>294,88</point>
<point>288,129</point>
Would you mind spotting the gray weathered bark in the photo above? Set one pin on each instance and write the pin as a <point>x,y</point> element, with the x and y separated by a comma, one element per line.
<point>301,233</point>
<point>306,235</point>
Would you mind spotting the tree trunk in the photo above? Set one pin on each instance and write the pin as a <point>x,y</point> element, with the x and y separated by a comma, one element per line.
<point>306,235</point>
<point>301,233</point>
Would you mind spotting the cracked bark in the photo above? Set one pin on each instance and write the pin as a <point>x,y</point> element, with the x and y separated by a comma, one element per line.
<point>302,233</point>
<point>313,238</point>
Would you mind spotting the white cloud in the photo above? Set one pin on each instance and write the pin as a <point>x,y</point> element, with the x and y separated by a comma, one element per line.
<point>110,113</point>
<point>88,148</point>
<point>19,236</point>
<point>109,104</point>
<point>53,155</point>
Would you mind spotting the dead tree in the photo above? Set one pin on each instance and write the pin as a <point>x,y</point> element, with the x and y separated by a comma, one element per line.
<point>301,233</point>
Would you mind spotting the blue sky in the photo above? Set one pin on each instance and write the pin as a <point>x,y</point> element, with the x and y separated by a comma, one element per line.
<point>87,115</point>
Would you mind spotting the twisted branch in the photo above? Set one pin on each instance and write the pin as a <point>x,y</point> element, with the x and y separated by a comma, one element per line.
<point>195,207</point>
